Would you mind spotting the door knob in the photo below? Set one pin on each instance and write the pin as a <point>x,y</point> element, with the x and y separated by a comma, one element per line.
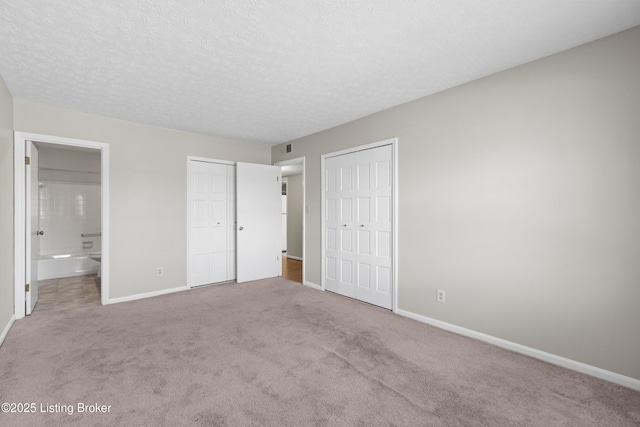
<point>241,228</point>
<point>40,233</point>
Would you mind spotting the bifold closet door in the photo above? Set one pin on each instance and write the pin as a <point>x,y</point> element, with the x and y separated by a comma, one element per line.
<point>212,223</point>
<point>373,226</point>
<point>358,225</point>
<point>339,224</point>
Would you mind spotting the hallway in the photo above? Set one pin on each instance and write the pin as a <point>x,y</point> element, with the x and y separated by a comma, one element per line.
<point>292,269</point>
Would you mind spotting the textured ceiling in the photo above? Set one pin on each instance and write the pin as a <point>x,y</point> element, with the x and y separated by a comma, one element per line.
<point>271,71</point>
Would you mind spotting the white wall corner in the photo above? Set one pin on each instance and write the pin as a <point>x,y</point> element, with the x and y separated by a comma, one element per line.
<point>312,285</point>
<point>603,374</point>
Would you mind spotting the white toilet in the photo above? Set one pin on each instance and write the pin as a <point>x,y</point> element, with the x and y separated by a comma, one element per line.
<point>97,256</point>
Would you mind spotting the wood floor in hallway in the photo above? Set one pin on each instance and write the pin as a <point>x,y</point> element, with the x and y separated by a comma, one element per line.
<point>292,269</point>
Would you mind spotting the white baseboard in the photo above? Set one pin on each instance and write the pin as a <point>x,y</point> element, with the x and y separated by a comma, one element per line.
<point>146,295</point>
<point>297,258</point>
<point>532,352</point>
<point>7,328</point>
<point>312,285</point>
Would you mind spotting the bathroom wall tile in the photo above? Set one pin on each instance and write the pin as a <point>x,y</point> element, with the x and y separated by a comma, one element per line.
<point>67,211</point>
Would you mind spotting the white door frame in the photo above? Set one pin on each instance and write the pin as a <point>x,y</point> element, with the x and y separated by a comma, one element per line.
<point>20,139</point>
<point>394,196</point>
<point>297,161</point>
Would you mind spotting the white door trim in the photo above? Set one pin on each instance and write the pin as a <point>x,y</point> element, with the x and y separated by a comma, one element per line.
<point>296,161</point>
<point>208,160</point>
<point>394,225</point>
<point>20,139</point>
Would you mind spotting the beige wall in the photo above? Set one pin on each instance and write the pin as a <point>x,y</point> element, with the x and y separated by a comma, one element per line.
<point>294,216</point>
<point>6,205</point>
<point>519,195</point>
<point>148,180</point>
<point>64,165</point>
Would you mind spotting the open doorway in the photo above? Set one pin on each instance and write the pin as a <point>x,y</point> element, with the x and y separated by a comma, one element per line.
<point>61,212</point>
<point>293,219</point>
<point>67,203</point>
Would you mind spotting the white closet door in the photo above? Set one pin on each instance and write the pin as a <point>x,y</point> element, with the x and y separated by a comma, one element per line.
<point>218,224</point>
<point>209,207</point>
<point>339,224</point>
<point>259,235</point>
<point>231,223</point>
<point>358,225</point>
<point>331,223</point>
<point>373,226</point>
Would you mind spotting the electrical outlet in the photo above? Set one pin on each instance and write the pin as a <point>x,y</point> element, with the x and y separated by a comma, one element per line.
<point>440,295</point>
<point>160,271</point>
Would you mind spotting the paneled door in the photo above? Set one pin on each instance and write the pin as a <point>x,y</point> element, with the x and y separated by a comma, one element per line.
<point>373,230</point>
<point>339,224</point>
<point>211,210</point>
<point>358,225</point>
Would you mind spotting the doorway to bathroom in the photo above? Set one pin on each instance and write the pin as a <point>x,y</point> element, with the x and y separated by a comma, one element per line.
<point>62,211</point>
<point>68,209</point>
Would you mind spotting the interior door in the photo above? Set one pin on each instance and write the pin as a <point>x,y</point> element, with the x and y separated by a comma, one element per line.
<point>373,258</point>
<point>231,221</point>
<point>218,223</point>
<point>211,210</point>
<point>339,225</point>
<point>33,232</point>
<point>259,233</point>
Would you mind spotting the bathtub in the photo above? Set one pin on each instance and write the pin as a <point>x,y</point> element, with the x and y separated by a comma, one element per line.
<point>66,265</point>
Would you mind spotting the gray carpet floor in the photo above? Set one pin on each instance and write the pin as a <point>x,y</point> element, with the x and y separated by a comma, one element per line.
<point>276,353</point>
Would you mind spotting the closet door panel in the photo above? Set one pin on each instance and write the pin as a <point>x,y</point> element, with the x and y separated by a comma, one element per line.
<point>358,225</point>
<point>332,222</point>
<point>347,215</point>
<point>209,251</point>
<point>374,226</point>
<point>231,223</point>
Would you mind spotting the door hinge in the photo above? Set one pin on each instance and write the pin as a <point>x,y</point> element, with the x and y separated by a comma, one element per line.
<point>27,160</point>
<point>26,287</point>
